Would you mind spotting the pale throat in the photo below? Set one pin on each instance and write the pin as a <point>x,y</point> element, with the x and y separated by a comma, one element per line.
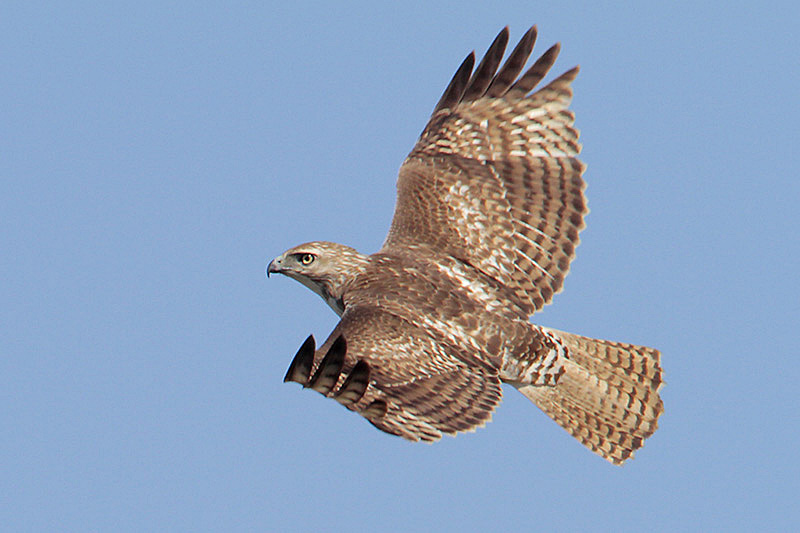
<point>335,303</point>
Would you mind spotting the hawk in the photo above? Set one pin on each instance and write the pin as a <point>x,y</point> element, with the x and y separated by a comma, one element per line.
<point>489,207</point>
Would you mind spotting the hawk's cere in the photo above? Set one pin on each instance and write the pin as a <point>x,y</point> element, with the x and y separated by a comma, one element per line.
<point>489,206</point>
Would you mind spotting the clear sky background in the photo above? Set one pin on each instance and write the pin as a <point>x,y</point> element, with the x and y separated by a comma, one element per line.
<point>155,156</point>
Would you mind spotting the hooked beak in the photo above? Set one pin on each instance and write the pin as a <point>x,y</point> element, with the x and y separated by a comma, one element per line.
<point>274,267</point>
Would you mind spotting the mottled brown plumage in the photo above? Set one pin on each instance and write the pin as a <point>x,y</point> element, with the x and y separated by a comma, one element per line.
<point>489,206</point>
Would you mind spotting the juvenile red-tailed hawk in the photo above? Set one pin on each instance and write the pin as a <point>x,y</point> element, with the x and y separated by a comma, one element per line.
<point>489,206</point>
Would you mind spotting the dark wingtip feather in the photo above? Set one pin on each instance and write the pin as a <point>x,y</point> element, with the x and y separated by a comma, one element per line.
<point>513,65</point>
<point>355,385</point>
<point>562,85</point>
<point>327,373</point>
<point>537,71</point>
<point>455,89</point>
<point>486,69</point>
<point>300,368</point>
<point>570,75</point>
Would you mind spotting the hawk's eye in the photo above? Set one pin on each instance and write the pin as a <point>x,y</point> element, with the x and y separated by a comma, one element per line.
<point>307,259</point>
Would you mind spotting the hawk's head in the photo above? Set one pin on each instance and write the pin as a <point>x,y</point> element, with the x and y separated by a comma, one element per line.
<point>323,267</point>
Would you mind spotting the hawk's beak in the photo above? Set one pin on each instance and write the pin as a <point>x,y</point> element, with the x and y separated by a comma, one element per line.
<point>274,267</point>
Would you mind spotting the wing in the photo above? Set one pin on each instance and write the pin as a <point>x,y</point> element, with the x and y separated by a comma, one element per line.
<point>494,179</point>
<point>397,376</point>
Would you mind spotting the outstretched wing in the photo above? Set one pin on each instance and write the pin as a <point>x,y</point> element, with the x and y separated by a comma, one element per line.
<point>398,376</point>
<point>494,179</point>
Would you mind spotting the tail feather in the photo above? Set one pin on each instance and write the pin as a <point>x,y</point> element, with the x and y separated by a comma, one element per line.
<point>607,396</point>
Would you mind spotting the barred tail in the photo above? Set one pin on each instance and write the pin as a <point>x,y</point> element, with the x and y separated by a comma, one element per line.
<point>607,397</point>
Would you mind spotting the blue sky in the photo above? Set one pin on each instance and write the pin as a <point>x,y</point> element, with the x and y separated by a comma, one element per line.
<point>154,157</point>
